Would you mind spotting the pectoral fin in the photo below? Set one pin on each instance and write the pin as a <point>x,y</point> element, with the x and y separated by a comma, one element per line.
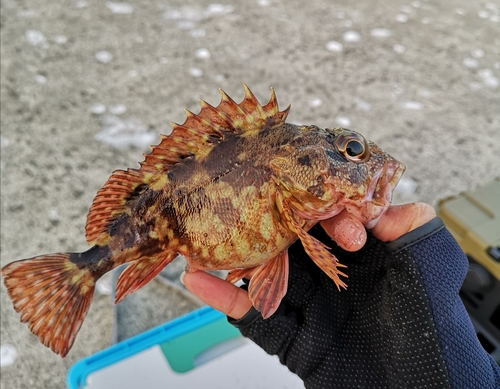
<point>318,252</point>
<point>269,285</point>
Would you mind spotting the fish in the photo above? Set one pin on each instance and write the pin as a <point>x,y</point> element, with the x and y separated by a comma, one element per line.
<point>229,189</point>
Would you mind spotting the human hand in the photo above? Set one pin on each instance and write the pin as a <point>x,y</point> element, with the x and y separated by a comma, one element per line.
<point>344,229</point>
<point>400,323</point>
<point>330,338</point>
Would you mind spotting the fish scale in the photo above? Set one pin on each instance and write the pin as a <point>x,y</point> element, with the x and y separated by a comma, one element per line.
<point>230,189</point>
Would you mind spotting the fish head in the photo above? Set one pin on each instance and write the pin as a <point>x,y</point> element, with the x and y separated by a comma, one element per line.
<point>362,175</point>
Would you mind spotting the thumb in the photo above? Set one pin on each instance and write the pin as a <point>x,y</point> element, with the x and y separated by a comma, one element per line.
<point>401,219</point>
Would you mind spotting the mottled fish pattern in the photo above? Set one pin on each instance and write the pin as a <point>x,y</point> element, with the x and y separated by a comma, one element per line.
<point>231,188</point>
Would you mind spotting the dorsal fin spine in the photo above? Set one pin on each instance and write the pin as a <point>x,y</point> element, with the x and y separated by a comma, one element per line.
<point>283,114</point>
<point>227,104</point>
<point>273,102</point>
<point>215,117</point>
<point>207,127</point>
<point>248,93</point>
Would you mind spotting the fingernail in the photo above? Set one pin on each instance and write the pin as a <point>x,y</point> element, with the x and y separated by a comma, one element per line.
<point>181,278</point>
<point>358,239</point>
<point>349,232</point>
<point>349,235</point>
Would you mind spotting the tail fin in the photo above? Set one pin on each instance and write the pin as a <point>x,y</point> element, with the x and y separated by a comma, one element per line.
<point>52,295</point>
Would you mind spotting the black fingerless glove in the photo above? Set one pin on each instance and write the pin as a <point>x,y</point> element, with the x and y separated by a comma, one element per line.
<point>400,323</point>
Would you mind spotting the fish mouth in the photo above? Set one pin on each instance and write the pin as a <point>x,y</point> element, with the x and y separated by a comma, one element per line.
<point>389,178</point>
<point>381,191</point>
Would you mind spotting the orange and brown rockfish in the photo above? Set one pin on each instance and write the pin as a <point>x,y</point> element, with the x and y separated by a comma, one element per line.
<point>232,188</point>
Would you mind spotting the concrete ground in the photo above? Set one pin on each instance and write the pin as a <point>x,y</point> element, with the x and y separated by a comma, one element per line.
<point>87,85</point>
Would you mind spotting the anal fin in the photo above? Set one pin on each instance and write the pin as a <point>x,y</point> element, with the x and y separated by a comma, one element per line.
<point>238,274</point>
<point>269,284</point>
<point>139,273</point>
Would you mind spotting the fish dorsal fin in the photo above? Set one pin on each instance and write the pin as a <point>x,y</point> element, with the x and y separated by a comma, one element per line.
<point>195,138</point>
<point>110,201</point>
<point>200,133</point>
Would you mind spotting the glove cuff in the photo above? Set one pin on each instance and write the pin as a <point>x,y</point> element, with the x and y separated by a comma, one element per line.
<point>415,236</point>
<point>250,317</point>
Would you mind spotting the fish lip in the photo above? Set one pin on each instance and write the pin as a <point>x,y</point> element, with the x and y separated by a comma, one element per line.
<point>391,174</point>
<point>383,187</point>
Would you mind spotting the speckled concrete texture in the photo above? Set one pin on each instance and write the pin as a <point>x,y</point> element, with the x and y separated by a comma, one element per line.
<point>87,85</point>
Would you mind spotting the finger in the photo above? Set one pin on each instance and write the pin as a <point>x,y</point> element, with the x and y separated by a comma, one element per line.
<point>219,294</point>
<point>347,231</point>
<point>400,219</point>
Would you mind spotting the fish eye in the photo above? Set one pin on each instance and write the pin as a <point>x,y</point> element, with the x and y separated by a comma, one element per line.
<point>353,147</point>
